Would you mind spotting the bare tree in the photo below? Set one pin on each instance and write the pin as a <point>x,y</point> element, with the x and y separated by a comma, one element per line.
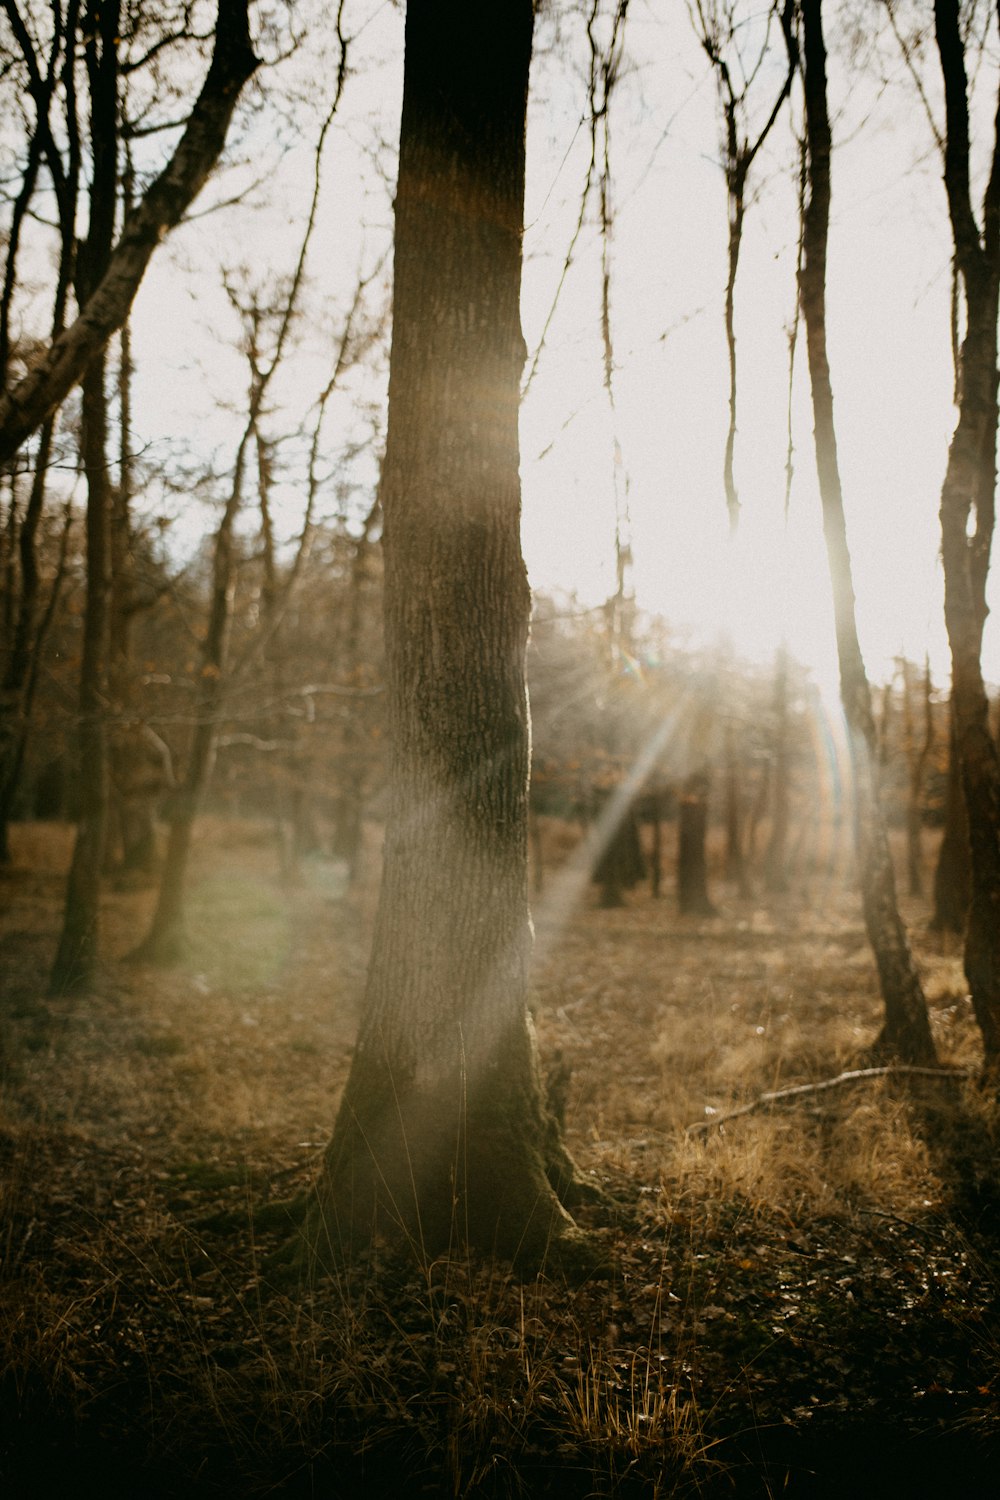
<point>76,956</point>
<point>717,26</point>
<point>968,513</point>
<point>906,1030</point>
<point>260,317</point>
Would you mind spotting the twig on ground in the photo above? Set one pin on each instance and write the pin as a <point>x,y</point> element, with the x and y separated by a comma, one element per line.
<point>854,1075</point>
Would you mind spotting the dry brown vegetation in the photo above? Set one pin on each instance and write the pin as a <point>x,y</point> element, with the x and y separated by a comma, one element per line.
<point>804,1301</point>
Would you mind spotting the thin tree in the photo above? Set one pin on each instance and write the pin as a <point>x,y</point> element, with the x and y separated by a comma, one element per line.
<point>166,939</point>
<point>906,1030</point>
<point>26,632</point>
<point>968,513</point>
<point>26,405</point>
<point>76,956</point>
<point>443,1134</point>
<point>716,24</point>
<point>717,27</point>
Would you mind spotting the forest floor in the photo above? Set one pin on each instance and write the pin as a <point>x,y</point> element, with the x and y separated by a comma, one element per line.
<point>806,1298</point>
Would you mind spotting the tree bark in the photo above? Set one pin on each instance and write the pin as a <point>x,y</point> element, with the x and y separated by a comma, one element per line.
<point>968,495</point>
<point>906,1032</point>
<point>36,396</point>
<point>443,1134</point>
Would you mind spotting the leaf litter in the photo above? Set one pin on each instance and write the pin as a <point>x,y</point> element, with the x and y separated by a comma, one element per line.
<point>805,1303</point>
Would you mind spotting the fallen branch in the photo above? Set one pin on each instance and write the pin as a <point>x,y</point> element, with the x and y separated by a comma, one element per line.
<point>855,1075</point>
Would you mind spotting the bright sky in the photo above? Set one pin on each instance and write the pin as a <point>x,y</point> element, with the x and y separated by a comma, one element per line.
<point>888,312</point>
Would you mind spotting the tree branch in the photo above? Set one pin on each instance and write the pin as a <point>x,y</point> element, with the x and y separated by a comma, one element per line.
<point>40,392</point>
<point>801,1090</point>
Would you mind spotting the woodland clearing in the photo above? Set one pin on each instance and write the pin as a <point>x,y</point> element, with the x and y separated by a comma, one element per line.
<point>805,1300</point>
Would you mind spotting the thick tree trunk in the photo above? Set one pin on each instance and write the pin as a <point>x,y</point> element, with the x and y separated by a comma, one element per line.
<point>906,1032</point>
<point>968,494</point>
<point>442,1133</point>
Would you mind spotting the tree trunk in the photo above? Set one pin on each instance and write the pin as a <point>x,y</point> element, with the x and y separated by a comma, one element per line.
<point>917,756</point>
<point>166,940</point>
<point>906,1032</point>
<point>76,957</point>
<point>443,1133</point>
<point>968,494</point>
<point>620,864</point>
<point>776,853</point>
<point>736,863</point>
<point>355,760</point>
<point>952,874</point>
<point>692,866</point>
<point>24,641</point>
<point>139,761</point>
<point>655,805</point>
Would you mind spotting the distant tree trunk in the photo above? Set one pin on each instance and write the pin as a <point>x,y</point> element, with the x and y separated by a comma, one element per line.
<point>166,939</point>
<point>443,1133</point>
<point>736,864</point>
<point>26,636</point>
<point>906,1032</point>
<point>656,853</point>
<point>24,643</point>
<point>968,494</point>
<point>354,764</point>
<point>776,854</point>
<point>953,873</point>
<point>620,864</point>
<point>692,865</point>
<point>139,760</point>
<point>918,749</point>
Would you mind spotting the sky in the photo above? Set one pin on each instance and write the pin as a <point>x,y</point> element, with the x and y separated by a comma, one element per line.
<point>888,305</point>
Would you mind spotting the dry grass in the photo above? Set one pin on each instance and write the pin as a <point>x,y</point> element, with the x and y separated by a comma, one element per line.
<point>799,1266</point>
